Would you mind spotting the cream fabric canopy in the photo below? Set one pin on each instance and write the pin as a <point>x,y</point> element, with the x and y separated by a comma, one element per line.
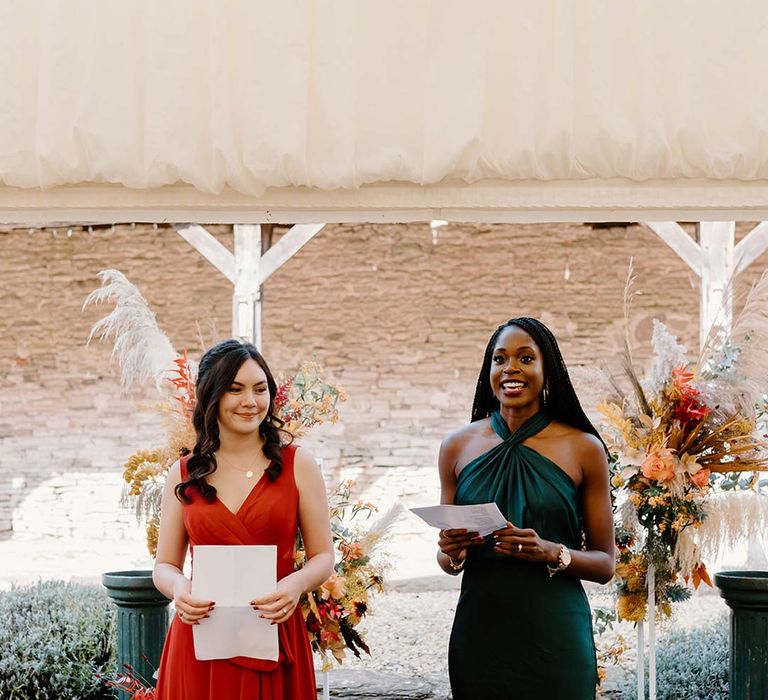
<point>410,106</point>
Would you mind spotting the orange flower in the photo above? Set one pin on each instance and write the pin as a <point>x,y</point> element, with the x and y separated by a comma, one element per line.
<point>633,573</point>
<point>659,465</point>
<point>682,377</point>
<point>701,478</point>
<point>351,550</point>
<point>334,587</point>
<point>631,607</point>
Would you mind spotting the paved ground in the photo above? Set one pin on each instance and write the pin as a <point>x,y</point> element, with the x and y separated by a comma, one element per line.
<point>408,632</point>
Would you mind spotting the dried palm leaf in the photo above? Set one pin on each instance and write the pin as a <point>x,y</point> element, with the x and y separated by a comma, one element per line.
<point>741,361</point>
<point>630,293</point>
<point>732,517</point>
<point>144,352</point>
<point>378,532</point>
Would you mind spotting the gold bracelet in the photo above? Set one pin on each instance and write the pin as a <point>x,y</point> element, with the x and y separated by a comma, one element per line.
<point>563,561</point>
<point>454,565</point>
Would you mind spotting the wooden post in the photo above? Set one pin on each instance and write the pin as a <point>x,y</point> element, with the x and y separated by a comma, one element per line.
<point>246,300</point>
<point>640,666</point>
<point>248,268</point>
<point>716,240</point>
<point>715,260</point>
<point>651,632</point>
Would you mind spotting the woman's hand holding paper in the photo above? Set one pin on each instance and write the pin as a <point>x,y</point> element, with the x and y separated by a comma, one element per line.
<point>279,606</point>
<point>525,543</point>
<point>454,542</point>
<point>189,610</point>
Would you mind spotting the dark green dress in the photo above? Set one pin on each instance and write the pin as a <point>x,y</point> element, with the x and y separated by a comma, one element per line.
<point>518,633</point>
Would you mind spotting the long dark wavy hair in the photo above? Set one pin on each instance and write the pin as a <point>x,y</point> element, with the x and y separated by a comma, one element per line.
<point>218,368</point>
<point>559,400</point>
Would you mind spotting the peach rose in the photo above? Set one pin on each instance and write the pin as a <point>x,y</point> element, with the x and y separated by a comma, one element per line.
<point>701,478</point>
<point>333,587</point>
<point>351,551</point>
<point>659,466</point>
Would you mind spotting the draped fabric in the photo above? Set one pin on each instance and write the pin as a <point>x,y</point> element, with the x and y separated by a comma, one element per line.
<point>269,515</point>
<point>254,95</point>
<point>531,490</point>
<point>519,633</point>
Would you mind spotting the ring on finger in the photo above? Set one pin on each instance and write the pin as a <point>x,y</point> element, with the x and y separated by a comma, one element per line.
<point>285,610</point>
<point>181,614</point>
<point>519,547</point>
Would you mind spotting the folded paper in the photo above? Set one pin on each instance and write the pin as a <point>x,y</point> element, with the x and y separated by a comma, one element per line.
<point>232,576</point>
<point>483,518</point>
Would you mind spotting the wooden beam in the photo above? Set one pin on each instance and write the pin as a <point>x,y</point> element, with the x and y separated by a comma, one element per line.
<point>286,248</point>
<point>676,238</point>
<point>493,201</point>
<point>246,301</point>
<point>751,247</point>
<point>213,251</point>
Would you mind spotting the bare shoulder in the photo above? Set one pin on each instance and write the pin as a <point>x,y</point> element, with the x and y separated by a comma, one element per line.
<point>459,438</point>
<point>174,473</point>
<point>587,447</point>
<point>304,462</point>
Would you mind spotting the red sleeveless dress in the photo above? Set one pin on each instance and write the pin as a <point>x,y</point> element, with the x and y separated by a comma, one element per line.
<point>269,515</point>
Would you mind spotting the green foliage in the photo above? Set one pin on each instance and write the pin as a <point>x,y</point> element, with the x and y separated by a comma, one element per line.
<point>54,638</point>
<point>677,593</point>
<point>691,665</point>
<point>737,481</point>
<point>603,620</point>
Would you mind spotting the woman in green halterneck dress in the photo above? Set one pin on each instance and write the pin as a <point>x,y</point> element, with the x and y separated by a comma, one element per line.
<point>523,626</point>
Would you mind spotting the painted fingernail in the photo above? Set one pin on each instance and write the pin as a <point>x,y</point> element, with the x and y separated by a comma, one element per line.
<point>204,616</point>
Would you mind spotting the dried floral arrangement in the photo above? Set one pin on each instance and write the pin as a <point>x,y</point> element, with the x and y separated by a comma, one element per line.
<point>303,400</point>
<point>682,436</point>
<point>333,611</point>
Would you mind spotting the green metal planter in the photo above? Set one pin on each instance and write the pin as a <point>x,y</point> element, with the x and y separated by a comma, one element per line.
<point>746,593</point>
<point>142,620</point>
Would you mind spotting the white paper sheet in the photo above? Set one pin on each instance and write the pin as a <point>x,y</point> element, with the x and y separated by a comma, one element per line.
<point>483,518</point>
<point>232,576</point>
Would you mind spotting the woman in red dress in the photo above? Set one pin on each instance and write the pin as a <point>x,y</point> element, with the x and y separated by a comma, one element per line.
<point>241,486</point>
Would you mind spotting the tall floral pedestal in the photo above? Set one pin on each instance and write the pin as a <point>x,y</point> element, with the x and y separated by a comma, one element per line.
<point>746,593</point>
<point>142,620</point>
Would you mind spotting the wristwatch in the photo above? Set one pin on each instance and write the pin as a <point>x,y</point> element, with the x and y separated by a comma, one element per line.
<point>563,560</point>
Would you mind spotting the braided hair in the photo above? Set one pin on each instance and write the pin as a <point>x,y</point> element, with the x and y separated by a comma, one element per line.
<point>218,368</point>
<point>559,400</point>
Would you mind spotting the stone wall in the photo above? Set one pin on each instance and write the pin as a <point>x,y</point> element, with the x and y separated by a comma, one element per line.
<point>398,314</point>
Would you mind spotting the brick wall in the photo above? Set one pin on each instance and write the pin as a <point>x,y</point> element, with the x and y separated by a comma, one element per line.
<point>399,314</point>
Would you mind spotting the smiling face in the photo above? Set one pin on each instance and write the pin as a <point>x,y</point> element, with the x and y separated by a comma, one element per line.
<point>517,369</point>
<point>245,404</point>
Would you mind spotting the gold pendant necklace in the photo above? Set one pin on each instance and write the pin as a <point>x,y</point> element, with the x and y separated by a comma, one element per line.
<point>248,472</point>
